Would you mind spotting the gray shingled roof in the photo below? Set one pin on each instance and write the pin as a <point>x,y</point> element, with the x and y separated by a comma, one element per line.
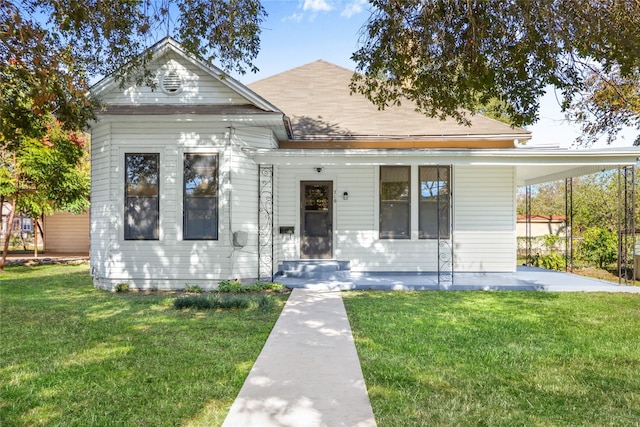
<point>317,98</point>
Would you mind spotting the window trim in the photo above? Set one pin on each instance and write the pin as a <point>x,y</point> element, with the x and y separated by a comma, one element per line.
<point>216,227</point>
<point>447,199</point>
<point>387,235</point>
<point>127,235</point>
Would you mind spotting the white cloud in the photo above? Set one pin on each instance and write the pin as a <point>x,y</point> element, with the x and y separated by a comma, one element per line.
<point>296,17</point>
<point>309,9</point>
<point>353,8</point>
<point>317,6</point>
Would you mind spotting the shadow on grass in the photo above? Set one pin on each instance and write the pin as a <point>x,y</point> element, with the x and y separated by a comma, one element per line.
<point>74,355</point>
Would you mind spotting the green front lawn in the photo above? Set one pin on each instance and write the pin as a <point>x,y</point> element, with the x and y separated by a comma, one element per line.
<point>75,356</point>
<point>499,358</point>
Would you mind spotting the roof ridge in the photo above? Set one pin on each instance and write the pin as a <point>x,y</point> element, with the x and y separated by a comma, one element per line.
<point>295,69</point>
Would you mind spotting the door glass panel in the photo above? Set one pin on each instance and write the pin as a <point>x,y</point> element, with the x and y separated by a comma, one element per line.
<point>316,198</point>
<point>316,224</point>
<point>316,220</point>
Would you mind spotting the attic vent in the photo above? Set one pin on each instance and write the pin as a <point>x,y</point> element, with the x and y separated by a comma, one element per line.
<point>171,83</point>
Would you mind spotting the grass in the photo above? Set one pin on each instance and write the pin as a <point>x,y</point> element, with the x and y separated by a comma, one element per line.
<point>499,358</point>
<point>75,356</point>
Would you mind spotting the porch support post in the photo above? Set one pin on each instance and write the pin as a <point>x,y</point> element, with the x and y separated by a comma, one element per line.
<point>445,246</point>
<point>626,223</point>
<point>568,224</point>
<point>527,218</point>
<point>265,223</point>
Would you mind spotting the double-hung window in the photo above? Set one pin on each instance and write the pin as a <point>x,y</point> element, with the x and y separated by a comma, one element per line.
<point>200,219</point>
<point>435,202</point>
<point>395,202</point>
<point>142,213</point>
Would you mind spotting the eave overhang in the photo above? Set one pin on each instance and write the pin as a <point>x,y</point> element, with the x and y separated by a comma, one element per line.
<point>237,116</point>
<point>532,166</point>
<point>467,141</point>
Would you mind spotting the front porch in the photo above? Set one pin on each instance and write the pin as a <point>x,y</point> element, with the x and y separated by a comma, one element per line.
<point>524,279</point>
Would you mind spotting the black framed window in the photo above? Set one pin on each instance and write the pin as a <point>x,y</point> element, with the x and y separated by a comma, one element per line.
<point>435,202</point>
<point>200,218</point>
<point>142,190</point>
<point>395,202</point>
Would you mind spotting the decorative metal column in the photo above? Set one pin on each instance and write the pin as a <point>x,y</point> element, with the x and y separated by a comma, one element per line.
<point>626,223</point>
<point>265,223</point>
<point>445,246</point>
<point>568,223</point>
<point>527,218</point>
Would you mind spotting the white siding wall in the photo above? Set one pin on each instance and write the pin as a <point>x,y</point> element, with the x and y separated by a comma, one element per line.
<point>172,262</point>
<point>485,222</point>
<point>484,235</point>
<point>100,213</point>
<point>197,87</point>
<point>355,221</point>
<point>244,206</point>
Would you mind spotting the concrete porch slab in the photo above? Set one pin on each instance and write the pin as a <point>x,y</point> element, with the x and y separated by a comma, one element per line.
<point>524,279</point>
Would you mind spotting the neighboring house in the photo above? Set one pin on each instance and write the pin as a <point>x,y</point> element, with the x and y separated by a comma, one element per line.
<point>21,223</point>
<point>66,233</point>
<point>202,179</point>
<point>541,225</point>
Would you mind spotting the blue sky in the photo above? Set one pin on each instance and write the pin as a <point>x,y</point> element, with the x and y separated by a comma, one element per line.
<point>297,32</point>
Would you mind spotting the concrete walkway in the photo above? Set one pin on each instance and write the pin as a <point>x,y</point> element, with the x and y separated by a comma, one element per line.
<point>308,373</point>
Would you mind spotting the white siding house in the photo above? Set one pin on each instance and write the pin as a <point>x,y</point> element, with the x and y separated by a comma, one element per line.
<point>202,179</point>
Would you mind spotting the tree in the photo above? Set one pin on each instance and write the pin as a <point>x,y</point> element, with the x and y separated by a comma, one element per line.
<point>55,46</point>
<point>50,49</point>
<point>599,246</point>
<point>448,56</point>
<point>44,175</point>
<point>595,201</point>
<point>610,102</point>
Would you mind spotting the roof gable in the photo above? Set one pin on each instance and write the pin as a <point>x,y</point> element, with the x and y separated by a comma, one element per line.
<point>180,80</point>
<point>320,105</point>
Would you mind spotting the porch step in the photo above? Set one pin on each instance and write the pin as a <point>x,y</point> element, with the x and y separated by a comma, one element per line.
<point>315,269</point>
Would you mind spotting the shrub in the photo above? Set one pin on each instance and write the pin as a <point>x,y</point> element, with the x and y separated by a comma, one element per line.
<point>235,287</point>
<point>552,261</point>
<point>230,286</point>
<point>194,289</point>
<point>265,303</point>
<point>122,287</point>
<point>224,302</point>
<point>551,242</point>
<point>272,286</point>
<point>599,246</point>
<point>197,302</point>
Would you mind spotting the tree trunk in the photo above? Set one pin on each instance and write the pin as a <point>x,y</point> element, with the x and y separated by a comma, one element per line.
<point>42,237</point>
<point>35,237</point>
<point>5,249</point>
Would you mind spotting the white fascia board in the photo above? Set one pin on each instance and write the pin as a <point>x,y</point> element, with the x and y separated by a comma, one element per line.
<point>533,174</point>
<point>512,157</point>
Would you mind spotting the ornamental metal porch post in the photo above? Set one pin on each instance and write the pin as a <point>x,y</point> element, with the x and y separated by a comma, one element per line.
<point>568,224</point>
<point>445,246</point>
<point>626,223</point>
<point>265,223</point>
